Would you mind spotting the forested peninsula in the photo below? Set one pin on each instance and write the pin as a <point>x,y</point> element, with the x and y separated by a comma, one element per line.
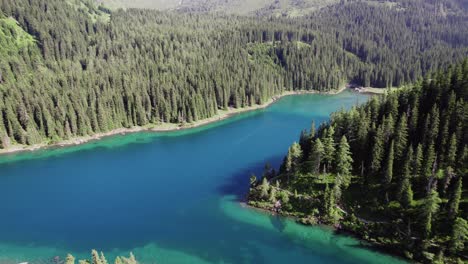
<point>390,171</point>
<point>75,68</point>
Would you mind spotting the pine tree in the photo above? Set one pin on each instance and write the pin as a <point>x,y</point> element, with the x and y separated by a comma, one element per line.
<point>70,259</point>
<point>435,122</point>
<point>288,163</point>
<point>405,192</point>
<point>312,130</point>
<point>329,146</point>
<point>292,159</point>
<point>406,199</point>
<point>118,260</point>
<point>389,164</point>
<point>452,151</point>
<point>401,137</point>
<point>95,257</point>
<point>316,155</point>
<point>272,197</point>
<point>413,122</point>
<point>455,199</point>
<point>377,150</point>
<point>388,127</point>
<point>103,258</point>
<point>344,162</point>
<point>417,161</point>
<point>296,156</point>
<point>265,188</point>
<point>430,207</point>
<point>459,235</point>
<point>330,204</point>
<point>429,159</point>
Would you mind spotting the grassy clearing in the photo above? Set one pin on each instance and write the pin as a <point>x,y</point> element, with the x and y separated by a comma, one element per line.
<point>13,37</point>
<point>261,53</point>
<point>91,9</point>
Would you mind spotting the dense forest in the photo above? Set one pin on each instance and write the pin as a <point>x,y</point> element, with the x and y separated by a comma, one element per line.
<point>75,68</point>
<point>390,171</point>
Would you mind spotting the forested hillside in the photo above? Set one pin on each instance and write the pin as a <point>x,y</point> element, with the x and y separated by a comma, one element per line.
<point>74,68</point>
<point>391,171</point>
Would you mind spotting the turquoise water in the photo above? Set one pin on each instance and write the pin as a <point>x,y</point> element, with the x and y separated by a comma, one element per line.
<point>168,197</point>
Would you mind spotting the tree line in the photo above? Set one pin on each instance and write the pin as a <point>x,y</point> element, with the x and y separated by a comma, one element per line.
<point>97,258</point>
<point>75,68</point>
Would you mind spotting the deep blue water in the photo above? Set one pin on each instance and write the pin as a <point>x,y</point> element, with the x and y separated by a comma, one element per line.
<point>168,197</point>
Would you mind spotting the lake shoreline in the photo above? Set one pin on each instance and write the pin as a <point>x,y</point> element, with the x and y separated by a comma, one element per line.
<point>163,127</point>
<point>336,229</point>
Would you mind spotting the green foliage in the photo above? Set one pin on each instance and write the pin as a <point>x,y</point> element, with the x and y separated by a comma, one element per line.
<point>429,208</point>
<point>316,155</point>
<point>329,146</point>
<point>455,199</point>
<point>408,195</point>
<point>60,78</point>
<point>343,161</point>
<point>265,188</point>
<point>389,164</point>
<point>459,235</point>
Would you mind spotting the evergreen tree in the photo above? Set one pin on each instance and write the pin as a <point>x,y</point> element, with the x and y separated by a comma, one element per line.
<point>389,164</point>
<point>272,197</point>
<point>459,235</point>
<point>312,130</point>
<point>417,161</point>
<point>405,192</point>
<point>118,260</point>
<point>296,155</point>
<point>103,259</point>
<point>406,199</point>
<point>377,150</point>
<point>265,188</point>
<point>452,151</point>
<point>401,137</point>
<point>329,146</point>
<point>96,259</point>
<point>455,199</point>
<point>429,159</point>
<point>430,207</point>
<point>70,259</point>
<point>343,162</point>
<point>317,155</point>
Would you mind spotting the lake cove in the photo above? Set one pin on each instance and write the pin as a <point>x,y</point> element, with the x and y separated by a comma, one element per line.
<point>169,197</point>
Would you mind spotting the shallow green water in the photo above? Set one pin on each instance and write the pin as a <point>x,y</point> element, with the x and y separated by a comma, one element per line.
<point>168,197</point>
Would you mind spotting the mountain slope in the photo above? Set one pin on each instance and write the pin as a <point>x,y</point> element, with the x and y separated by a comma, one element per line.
<point>287,8</point>
<point>87,69</point>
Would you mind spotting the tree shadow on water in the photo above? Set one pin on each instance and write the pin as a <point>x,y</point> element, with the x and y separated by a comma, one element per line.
<point>278,222</point>
<point>238,183</point>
